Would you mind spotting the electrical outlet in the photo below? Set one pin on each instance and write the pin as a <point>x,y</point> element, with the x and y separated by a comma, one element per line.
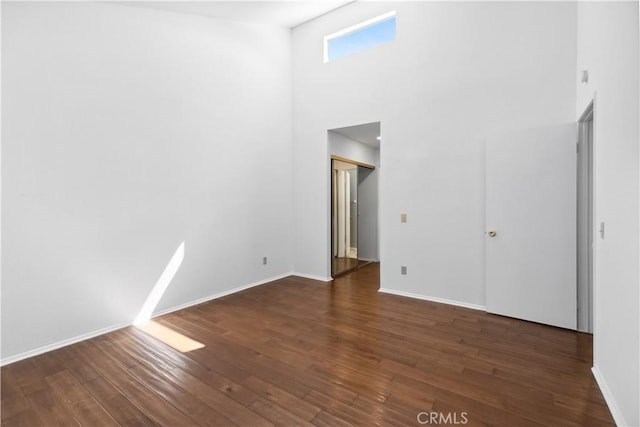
<point>264,260</point>
<point>403,269</point>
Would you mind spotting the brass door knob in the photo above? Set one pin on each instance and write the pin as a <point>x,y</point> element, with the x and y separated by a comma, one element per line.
<point>492,234</point>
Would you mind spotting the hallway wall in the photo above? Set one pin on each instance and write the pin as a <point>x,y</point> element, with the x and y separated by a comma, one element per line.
<point>608,49</point>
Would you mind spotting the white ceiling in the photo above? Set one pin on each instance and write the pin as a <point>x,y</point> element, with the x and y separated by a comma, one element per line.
<point>280,13</point>
<point>367,134</point>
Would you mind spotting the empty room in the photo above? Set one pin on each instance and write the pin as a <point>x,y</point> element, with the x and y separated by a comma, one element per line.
<point>321,213</point>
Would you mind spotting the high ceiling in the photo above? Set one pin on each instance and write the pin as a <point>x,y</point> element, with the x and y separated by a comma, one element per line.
<point>281,13</point>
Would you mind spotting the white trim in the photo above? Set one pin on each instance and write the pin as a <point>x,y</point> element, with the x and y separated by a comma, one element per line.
<point>93,334</point>
<point>311,276</point>
<point>353,29</point>
<point>368,259</point>
<point>56,345</point>
<point>433,299</point>
<point>219,295</point>
<point>608,397</point>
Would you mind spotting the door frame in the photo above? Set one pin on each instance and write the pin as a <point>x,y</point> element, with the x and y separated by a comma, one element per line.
<point>586,256</point>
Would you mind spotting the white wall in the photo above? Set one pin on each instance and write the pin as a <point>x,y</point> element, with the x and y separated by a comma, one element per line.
<point>123,129</point>
<point>456,72</point>
<point>368,208</point>
<point>342,146</point>
<point>608,48</point>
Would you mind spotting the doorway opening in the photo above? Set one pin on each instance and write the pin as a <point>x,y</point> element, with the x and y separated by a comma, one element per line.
<point>355,157</point>
<point>344,216</point>
<point>585,221</point>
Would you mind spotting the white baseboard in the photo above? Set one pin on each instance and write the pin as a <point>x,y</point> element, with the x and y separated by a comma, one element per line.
<point>60,344</point>
<point>433,299</point>
<point>219,295</point>
<point>608,397</point>
<point>311,276</point>
<point>89,335</point>
<point>368,259</point>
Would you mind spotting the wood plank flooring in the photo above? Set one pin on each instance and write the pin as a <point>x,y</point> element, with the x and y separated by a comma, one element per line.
<point>344,265</point>
<point>299,352</point>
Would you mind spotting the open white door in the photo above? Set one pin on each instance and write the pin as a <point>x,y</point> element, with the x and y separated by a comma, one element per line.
<point>531,208</point>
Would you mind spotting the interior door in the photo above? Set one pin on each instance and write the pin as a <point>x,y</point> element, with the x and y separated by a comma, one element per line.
<point>531,225</point>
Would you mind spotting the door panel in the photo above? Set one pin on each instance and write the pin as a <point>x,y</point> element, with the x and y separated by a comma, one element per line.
<point>531,206</point>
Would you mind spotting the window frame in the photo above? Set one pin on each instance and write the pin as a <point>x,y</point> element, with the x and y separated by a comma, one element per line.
<point>355,28</point>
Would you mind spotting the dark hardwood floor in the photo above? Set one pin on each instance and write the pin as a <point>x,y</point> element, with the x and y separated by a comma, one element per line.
<point>343,266</point>
<point>300,352</point>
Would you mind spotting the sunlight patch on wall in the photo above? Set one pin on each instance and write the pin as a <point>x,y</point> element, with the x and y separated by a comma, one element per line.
<point>170,337</point>
<point>161,286</point>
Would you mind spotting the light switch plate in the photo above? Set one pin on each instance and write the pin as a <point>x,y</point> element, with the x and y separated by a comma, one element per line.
<point>403,217</point>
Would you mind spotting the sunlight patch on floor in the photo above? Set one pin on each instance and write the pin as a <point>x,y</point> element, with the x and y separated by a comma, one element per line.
<point>170,337</point>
